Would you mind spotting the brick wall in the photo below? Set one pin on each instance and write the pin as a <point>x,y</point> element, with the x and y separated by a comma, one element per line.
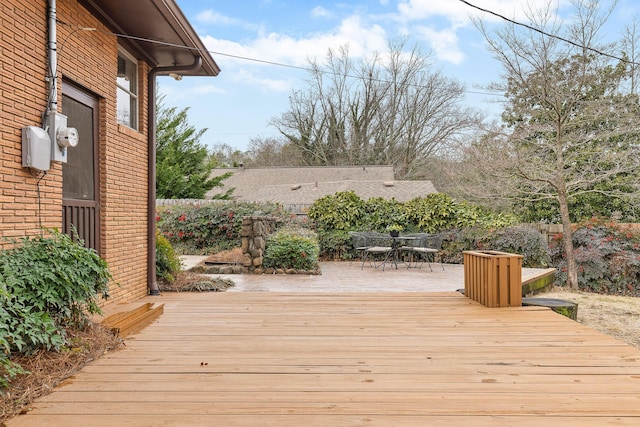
<point>87,59</point>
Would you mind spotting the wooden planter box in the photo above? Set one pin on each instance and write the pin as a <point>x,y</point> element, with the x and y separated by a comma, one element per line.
<point>493,278</point>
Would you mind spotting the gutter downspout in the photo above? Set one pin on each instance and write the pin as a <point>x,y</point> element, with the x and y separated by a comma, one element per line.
<point>152,280</point>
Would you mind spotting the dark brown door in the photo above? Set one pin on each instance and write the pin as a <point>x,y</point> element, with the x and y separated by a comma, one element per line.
<point>80,189</point>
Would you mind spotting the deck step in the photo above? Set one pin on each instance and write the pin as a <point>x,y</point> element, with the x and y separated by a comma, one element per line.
<point>129,322</point>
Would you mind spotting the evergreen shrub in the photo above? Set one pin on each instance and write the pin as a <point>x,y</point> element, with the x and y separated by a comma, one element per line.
<point>167,261</point>
<point>292,247</point>
<point>607,256</point>
<point>210,227</point>
<point>47,284</point>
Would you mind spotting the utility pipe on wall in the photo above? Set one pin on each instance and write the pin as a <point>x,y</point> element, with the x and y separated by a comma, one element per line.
<point>152,281</point>
<point>52,51</point>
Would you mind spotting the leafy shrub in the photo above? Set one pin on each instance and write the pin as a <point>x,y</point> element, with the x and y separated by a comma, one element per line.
<point>57,276</point>
<point>46,284</point>
<point>383,215</point>
<point>607,257</point>
<point>210,227</point>
<point>437,212</point>
<point>167,261</point>
<point>291,247</point>
<point>340,211</point>
<point>522,240</point>
<point>335,244</point>
<point>433,213</point>
<point>457,240</point>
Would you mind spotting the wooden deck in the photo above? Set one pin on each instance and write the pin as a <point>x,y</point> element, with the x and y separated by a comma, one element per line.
<point>351,359</point>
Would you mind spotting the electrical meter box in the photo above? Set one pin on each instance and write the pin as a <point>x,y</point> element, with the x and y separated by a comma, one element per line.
<point>61,136</point>
<point>36,148</point>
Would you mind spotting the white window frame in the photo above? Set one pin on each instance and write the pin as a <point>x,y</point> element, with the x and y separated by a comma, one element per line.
<point>131,92</point>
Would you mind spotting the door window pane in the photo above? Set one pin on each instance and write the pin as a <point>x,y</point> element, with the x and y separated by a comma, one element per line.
<point>78,173</point>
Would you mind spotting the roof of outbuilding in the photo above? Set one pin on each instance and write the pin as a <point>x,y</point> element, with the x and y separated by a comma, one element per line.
<point>306,194</point>
<point>247,180</point>
<point>304,185</point>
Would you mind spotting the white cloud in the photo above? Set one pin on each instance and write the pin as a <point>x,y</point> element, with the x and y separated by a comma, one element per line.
<point>282,48</point>
<point>211,17</point>
<point>321,12</point>
<point>438,23</point>
<point>265,84</point>
<point>444,44</point>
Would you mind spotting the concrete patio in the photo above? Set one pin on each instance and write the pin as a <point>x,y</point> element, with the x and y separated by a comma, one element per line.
<point>350,277</point>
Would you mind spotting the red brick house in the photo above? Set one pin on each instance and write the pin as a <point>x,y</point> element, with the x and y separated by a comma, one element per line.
<point>93,64</point>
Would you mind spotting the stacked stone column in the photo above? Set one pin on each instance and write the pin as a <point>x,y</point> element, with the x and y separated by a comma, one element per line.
<point>255,230</point>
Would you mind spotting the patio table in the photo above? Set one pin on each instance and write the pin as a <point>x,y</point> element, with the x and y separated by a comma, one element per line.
<point>393,256</point>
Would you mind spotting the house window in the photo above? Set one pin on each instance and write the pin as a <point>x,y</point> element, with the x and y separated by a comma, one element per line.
<point>127,90</point>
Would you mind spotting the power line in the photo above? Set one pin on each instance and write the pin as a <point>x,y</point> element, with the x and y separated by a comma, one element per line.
<point>599,52</point>
<point>244,58</point>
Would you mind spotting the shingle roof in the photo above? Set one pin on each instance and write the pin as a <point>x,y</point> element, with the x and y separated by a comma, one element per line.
<point>297,187</point>
<point>247,180</point>
<point>306,194</point>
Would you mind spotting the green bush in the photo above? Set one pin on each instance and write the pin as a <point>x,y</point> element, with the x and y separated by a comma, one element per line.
<point>210,227</point>
<point>340,211</point>
<point>455,241</point>
<point>438,212</point>
<point>607,257</point>
<point>291,247</point>
<point>167,261</point>
<point>383,215</point>
<point>434,213</point>
<point>46,285</point>
<point>335,244</point>
<point>522,240</point>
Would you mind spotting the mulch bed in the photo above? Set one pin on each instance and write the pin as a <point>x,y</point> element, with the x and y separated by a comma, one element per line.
<point>49,368</point>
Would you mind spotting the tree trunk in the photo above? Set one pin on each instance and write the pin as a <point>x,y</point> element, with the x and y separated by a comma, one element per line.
<point>567,240</point>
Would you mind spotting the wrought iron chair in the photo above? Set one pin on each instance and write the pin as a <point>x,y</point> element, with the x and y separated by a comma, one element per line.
<point>378,245</point>
<point>359,243</point>
<point>425,248</point>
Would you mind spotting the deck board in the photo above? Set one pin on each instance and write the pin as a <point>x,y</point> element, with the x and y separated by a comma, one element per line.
<point>351,359</point>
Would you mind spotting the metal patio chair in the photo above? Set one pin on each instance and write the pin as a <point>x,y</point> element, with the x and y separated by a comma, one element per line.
<point>424,249</point>
<point>378,246</point>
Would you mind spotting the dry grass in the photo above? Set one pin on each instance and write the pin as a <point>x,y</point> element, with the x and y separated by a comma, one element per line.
<point>616,316</point>
<point>49,368</point>
<point>231,256</point>
<point>186,281</point>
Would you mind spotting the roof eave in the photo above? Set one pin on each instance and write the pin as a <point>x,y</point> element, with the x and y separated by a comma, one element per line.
<point>163,36</point>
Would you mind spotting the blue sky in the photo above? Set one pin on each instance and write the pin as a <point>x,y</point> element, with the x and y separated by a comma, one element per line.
<point>238,104</point>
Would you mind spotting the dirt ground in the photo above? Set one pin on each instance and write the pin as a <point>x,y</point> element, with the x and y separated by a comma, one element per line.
<point>616,316</point>
<point>49,368</point>
<point>233,255</point>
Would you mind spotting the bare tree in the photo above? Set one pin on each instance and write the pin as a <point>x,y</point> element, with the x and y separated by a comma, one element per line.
<point>225,155</point>
<point>630,45</point>
<point>568,125</point>
<point>272,152</point>
<point>390,109</point>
